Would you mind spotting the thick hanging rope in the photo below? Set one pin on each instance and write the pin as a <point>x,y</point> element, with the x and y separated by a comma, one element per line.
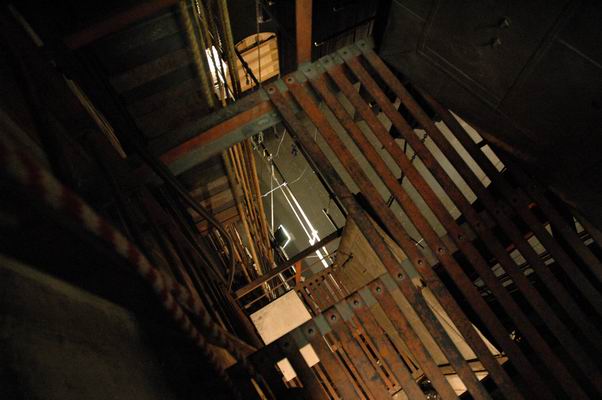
<point>195,48</point>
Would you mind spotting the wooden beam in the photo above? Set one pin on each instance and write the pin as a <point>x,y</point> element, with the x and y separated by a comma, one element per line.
<point>116,23</point>
<point>303,14</point>
<point>211,135</point>
<point>226,216</point>
<point>216,132</point>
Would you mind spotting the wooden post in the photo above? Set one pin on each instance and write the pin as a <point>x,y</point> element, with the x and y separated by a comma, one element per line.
<point>303,13</point>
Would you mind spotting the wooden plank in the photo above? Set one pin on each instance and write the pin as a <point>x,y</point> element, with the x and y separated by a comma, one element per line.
<point>303,19</point>
<point>116,23</point>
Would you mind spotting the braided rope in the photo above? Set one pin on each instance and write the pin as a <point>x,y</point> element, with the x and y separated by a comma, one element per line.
<point>28,173</point>
<point>195,49</point>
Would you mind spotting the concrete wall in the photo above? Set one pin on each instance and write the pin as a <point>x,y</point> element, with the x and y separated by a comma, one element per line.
<point>60,342</point>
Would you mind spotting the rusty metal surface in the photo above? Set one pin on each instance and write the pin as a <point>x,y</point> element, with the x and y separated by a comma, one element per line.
<point>368,229</point>
<point>382,294</point>
<point>386,215</point>
<point>479,263</point>
<point>536,301</point>
<point>343,384</point>
<point>384,347</point>
<point>535,191</point>
<point>369,375</point>
<point>506,223</point>
<point>521,205</point>
<point>368,189</point>
<point>408,205</point>
<point>375,368</point>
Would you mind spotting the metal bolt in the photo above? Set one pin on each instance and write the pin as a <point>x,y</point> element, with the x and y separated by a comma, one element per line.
<point>290,79</point>
<point>399,275</point>
<point>378,289</point>
<point>356,303</point>
<point>310,331</point>
<point>333,317</point>
<point>496,42</point>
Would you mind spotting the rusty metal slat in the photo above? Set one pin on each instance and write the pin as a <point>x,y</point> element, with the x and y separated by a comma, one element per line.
<point>320,295</point>
<point>309,301</point>
<point>358,382</point>
<point>533,296</point>
<point>381,293</point>
<point>521,205</point>
<point>593,231</point>
<point>564,298</point>
<point>325,292</point>
<point>467,330</point>
<point>535,191</point>
<point>331,364</point>
<point>303,98</point>
<point>290,346</point>
<point>370,376</point>
<point>468,249</point>
<point>384,347</point>
<point>321,373</point>
<point>335,289</point>
<point>297,129</point>
<point>365,342</point>
<point>427,232</point>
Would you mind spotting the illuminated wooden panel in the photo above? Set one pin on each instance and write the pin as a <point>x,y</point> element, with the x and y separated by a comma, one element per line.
<point>262,60</point>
